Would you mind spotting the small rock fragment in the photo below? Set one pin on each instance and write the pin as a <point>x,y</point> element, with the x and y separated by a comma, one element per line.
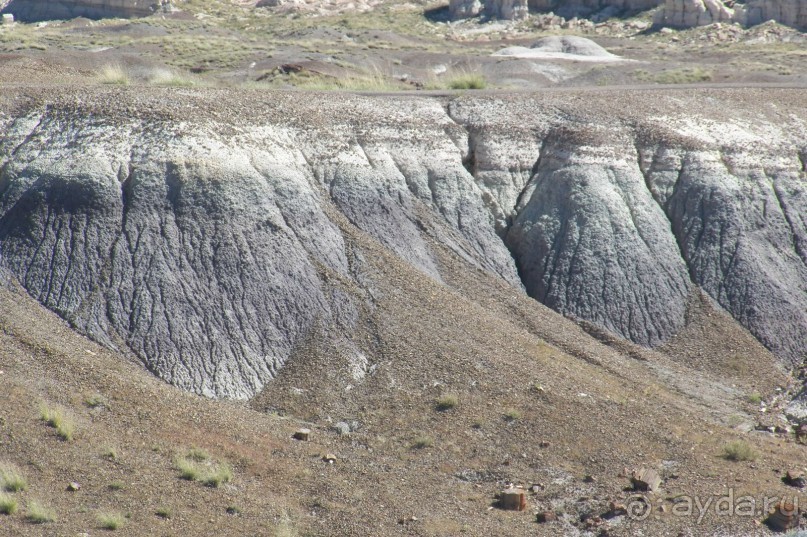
<point>513,499</point>
<point>795,478</point>
<point>342,428</point>
<point>73,486</point>
<point>330,458</point>
<point>784,517</point>
<point>645,480</point>
<point>546,516</point>
<point>302,434</point>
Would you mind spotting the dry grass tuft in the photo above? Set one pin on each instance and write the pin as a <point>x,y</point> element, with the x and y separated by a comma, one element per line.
<point>8,504</point>
<point>114,74</point>
<point>11,480</point>
<point>110,521</point>
<point>196,465</point>
<point>60,419</point>
<point>39,514</point>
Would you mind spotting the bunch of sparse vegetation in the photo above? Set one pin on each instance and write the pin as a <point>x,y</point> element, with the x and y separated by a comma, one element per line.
<point>113,74</point>
<point>8,504</point>
<point>422,442</point>
<point>116,485</point>
<point>512,414</point>
<point>196,465</point>
<point>95,400</point>
<point>447,402</point>
<point>164,77</point>
<point>11,480</point>
<point>686,75</point>
<point>755,398</point>
<point>467,81</point>
<point>370,80</point>
<point>109,453</point>
<point>110,521</point>
<point>738,451</point>
<point>60,419</point>
<point>39,514</point>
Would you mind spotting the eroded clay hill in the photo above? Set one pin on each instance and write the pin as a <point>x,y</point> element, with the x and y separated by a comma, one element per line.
<point>203,230</point>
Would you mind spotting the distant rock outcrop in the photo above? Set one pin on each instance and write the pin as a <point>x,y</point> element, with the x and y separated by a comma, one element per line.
<point>41,10</point>
<point>464,9</point>
<point>690,13</point>
<point>506,9</point>
<point>519,9</point>
<point>590,8</point>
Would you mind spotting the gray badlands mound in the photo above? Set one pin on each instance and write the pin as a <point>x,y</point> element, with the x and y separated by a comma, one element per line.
<point>565,47</point>
<point>206,231</point>
<point>568,44</point>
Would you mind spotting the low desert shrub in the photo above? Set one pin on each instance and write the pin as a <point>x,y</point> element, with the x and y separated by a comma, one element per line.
<point>512,414</point>
<point>738,451</point>
<point>447,402</point>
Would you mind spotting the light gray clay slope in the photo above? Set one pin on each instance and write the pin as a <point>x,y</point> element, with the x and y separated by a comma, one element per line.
<point>203,246</point>
<point>633,195</point>
<point>204,229</point>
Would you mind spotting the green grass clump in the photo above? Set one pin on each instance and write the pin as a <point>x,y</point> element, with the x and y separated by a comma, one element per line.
<point>39,514</point>
<point>116,485</point>
<point>755,398</point>
<point>164,512</point>
<point>60,419</point>
<point>11,480</point>
<point>739,450</point>
<point>447,402</point>
<point>110,521</point>
<point>467,81</point>
<point>196,465</point>
<point>8,504</point>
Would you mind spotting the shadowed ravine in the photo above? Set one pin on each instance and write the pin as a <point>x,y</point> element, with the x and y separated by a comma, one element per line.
<point>204,230</point>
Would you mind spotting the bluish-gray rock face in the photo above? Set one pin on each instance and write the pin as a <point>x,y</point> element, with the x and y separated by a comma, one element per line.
<point>208,236</point>
<point>42,10</point>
